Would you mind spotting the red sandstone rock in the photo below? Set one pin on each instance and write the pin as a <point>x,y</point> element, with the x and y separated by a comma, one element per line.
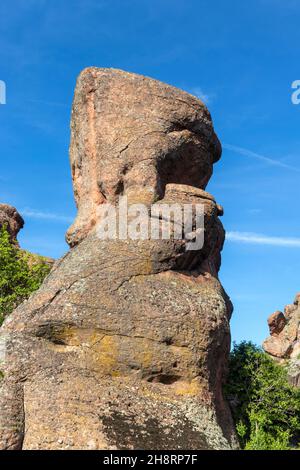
<point>131,135</point>
<point>125,345</point>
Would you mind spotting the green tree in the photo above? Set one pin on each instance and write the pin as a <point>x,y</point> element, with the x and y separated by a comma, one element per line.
<point>266,408</point>
<point>20,274</point>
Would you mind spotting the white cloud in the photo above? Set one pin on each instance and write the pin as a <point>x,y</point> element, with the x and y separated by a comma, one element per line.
<point>34,214</point>
<point>197,91</point>
<point>257,156</point>
<point>260,239</point>
<point>49,103</point>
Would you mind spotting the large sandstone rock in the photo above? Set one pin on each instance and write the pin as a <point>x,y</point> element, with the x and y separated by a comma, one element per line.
<point>283,344</point>
<point>132,135</point>
<point>125,345</point>
<point>10,217</point>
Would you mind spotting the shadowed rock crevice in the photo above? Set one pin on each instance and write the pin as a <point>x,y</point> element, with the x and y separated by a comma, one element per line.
<point>126,432</point>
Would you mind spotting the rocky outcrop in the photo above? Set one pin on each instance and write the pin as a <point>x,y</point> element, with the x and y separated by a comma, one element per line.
<point>10,217</point>
<point>284,343</point>
<point>125,345</point>
<point>14,222</point>
<point>131,135</point>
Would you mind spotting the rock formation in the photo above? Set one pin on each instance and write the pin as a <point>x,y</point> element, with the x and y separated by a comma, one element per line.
<point>132,135</point>
<point>14,222</point>
<point>284,343</point>
<point>125,345</point>
<point>10,217</point>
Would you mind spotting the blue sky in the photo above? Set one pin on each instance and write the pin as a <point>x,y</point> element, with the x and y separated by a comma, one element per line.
<point>240,57</point>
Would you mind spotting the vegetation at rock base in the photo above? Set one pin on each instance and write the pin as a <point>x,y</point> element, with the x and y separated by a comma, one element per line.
<point>20,274</point>
<point>266,408</point>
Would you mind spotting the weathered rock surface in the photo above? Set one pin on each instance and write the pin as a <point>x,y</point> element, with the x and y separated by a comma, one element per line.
<point>125,345</point>
<point>284,342</point>
<point>132,135</point>
<point>10,217</point>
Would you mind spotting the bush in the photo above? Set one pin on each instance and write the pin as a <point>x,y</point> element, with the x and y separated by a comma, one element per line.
<point>266,408</point>
<point>20,274</point>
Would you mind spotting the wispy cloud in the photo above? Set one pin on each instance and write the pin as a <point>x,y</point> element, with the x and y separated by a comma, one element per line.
<point>35,214</point>
<point>197,91</point>
<point>257,156</point>
<point>255,211</point>
<point>260,239</point>
<point>49,103</point>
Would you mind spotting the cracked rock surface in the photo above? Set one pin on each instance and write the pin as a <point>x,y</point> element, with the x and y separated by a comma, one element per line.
<point>125,345</point>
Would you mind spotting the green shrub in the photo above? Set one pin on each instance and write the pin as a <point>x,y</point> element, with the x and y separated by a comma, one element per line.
<point>266,408</point>
<point>20,274</point>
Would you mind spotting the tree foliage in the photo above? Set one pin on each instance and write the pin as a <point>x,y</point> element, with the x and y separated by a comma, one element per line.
<point>20,274</point>
<point>266,408</point>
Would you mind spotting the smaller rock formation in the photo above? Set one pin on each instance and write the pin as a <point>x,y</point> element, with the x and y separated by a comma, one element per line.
<point>276,323</point>
<point>10,217</point>
<point>14,222</point>
<point>284,342</point>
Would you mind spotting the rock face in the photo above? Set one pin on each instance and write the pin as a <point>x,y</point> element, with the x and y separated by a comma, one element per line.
<point>10,217</point>
<point>131,135</point>
<point>284,342</point>
<point>125,345</point>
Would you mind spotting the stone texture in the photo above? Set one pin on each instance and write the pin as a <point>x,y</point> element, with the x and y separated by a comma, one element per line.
<point>284,342</point>
<point>132,135</point>
<point>125,344</point>
<point>10,217</point>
